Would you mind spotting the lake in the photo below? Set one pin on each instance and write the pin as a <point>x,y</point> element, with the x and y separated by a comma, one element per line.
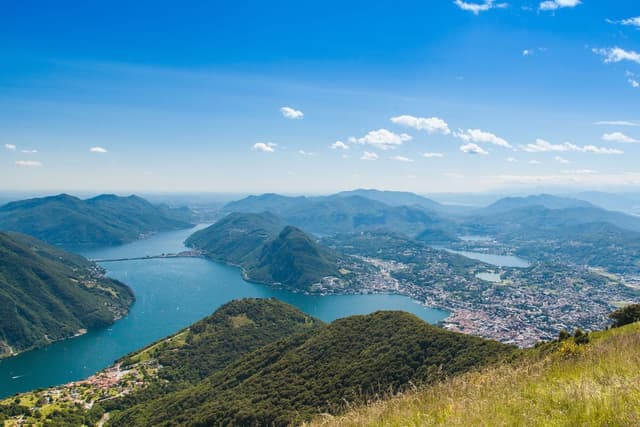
<point>171,294</point>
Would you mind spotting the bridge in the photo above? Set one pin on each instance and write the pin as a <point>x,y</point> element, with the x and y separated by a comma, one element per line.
<point>184,254</point>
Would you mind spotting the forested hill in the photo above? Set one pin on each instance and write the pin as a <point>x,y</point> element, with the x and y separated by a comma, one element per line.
<point>318,371</point>
<point>267,251</point>
<point>68,221</point>
<point>47,294</point>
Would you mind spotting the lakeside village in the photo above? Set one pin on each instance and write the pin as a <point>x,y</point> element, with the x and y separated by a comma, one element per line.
<point>520,306</point>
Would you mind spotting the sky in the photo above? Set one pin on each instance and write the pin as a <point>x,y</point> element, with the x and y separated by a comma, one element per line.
<point>315,97</point>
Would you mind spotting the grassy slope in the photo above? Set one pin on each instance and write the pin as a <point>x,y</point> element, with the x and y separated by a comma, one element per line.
<point>593,385</point>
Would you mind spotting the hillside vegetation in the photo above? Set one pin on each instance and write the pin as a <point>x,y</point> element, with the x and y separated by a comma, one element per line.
<point>291,380</point>
<point>47,294</point>
<point>559,384</point>
<point>70,222</point>
<point>267,251</point>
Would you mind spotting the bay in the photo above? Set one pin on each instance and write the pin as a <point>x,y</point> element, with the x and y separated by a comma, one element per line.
<point>171,293</point>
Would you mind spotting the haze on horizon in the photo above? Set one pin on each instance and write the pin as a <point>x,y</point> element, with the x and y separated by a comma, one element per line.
<point>462,96</point>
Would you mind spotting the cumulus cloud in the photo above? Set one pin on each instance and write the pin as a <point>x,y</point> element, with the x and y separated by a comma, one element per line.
<point>617,123</point>
<point>339,145</point>
<point>98,150</point>
<point>369,156</point>
<point>542,146</point>
<point>29,151</point>
<point>634,83</point>
<point>432,155</point>
<point>616,54</point>
<point>557,4</point>
<point>306,153</point>
<point>291,113</point>
<point>28,163</point>
<point>476,8</point>
<point>472,148</point>
<point>562,160</point>
<point>512,159</point>
<point>480,136</point>
<point>401,159</point>
<point>382,138</point>
<point>428,124</point>
<point>10,147</point>
<point>265,147</point>
<point>618,137</point>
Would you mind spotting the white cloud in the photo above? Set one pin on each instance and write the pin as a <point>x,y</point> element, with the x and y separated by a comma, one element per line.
<point>616,54</point>
<point>557,4</point>
<point>634,83</point>
<point>476,8</point>
<point>401,159</point>
<point>618,137</point>
<point>382,139</point>
<point>98,150</point>
<point>533,162</point>
<point>512,159</point>
<point>542,146</point>
<point>429,124</point>
<point>617,123</point>
<point>265,147</point>
<point>432,155</point>
<point>10,147</point>
<point>291,113</point>
<point>306,153</point>
<point>472,148</point>
<point>633,22</point>
<point>29,151</point>
<point>562,160</point>
<point>339,145</point>
<point>369,156</point>
<point>478,135</point>
<point>28,163</point>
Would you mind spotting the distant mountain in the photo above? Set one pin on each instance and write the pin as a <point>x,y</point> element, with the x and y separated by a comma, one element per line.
<point>322,370</point>
<point>536,221</point>
<point>340,213</point>
<point>545,200</point>
<point>267,251</point>
<point>625,202</point>
<point>47,294</point>
<point>238,237</point>
<point>394,198</point>
<point>68,221</point>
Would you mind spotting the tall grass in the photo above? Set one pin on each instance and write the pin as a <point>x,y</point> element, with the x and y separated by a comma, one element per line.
<point>597,384</point>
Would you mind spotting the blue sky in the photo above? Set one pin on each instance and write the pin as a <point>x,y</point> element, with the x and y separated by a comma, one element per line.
<point>427,96</point>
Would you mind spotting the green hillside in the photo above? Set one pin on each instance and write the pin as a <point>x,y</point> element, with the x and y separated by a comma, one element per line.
<point>348,361</point>
<point>267,252</point>
<point>103,220</point>
<point>47,294</point>
<point>559,384</point>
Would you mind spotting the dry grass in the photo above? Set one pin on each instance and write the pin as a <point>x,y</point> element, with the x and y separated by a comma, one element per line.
<point>593,385</point>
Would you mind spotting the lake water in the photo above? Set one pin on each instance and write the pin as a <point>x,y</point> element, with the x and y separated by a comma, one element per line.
<point>497,260</point>
<point>170,295</point>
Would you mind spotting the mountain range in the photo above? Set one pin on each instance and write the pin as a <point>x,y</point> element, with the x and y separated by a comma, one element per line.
<point>70,222</point>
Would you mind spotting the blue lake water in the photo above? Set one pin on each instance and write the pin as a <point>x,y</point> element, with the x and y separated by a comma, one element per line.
<point>170,295</point>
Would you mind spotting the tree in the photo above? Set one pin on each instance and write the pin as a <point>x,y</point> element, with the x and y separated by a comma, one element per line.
<point>625,315</point>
